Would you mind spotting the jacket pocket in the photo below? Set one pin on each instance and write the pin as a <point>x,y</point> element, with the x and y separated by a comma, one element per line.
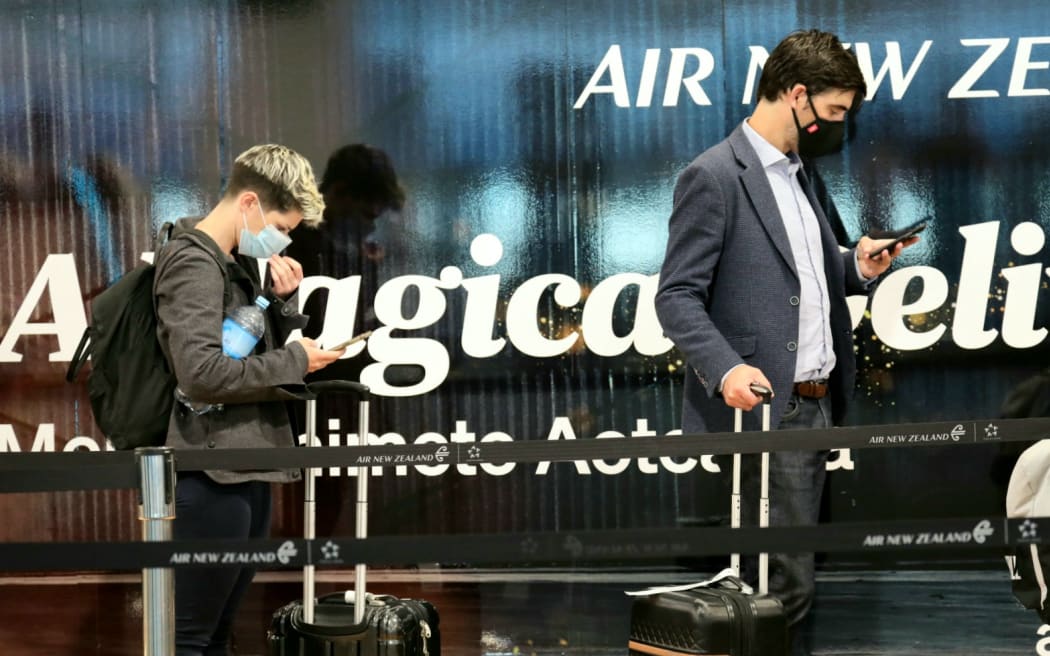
<point>744,345</point>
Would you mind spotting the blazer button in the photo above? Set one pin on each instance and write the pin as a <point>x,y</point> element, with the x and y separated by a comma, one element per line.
<point>286,310</point>
<point>793,300</point>
<point>211,444</point>
<point>792,346</point>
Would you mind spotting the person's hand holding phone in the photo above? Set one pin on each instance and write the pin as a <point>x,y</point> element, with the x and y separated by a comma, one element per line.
<point>877,249</point>
<point>887,240</point>
<point>317,357</point>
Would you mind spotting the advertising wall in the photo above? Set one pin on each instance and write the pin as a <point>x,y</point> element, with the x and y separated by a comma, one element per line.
<point>538,146</point>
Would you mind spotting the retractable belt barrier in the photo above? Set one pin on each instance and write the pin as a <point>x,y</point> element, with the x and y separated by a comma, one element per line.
<point>152,470</point>
<point>85,470</point>
<point>995,534</point>
<point>34,472</point>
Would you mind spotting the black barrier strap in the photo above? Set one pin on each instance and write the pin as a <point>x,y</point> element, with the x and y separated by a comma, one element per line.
<point>43,460</point>
<point>980,533</point>
<point>95,477</point>
<point>47,556</point>
<point>955,433</point>
<point>950,433</point>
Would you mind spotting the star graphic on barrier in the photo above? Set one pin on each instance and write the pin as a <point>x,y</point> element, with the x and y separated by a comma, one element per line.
<point>991,431</point>
<point>1028,529</point>
<point>529,547</point>
<point>474,452</point>
<point>330,550</point>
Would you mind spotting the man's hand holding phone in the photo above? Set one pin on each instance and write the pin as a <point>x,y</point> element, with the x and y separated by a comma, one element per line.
<point>887,240</point>
<point>876,250</point>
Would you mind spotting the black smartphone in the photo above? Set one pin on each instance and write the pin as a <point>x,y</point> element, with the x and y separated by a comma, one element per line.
<point>352,340</point>
<point>896,235</point>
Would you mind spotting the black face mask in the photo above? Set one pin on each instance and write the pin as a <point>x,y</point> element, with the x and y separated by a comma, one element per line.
<point>821,137</point>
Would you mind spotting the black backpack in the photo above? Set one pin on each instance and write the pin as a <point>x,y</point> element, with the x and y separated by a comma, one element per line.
<point>131,385</point>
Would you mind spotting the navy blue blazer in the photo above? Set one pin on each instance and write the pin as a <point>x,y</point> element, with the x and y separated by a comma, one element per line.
<point>729,290</point>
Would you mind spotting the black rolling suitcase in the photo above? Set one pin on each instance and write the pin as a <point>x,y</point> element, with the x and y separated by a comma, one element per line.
<point>721,616</point>
<point>351,623</point>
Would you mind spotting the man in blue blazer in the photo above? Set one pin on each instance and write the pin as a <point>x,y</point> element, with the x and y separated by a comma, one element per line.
<point>753,285</point>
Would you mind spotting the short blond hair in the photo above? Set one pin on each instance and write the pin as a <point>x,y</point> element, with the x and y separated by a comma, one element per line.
<point>283,179</point>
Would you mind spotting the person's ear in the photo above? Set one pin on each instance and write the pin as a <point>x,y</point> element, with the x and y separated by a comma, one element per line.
<point>797,96</point>
<point>247,200</point>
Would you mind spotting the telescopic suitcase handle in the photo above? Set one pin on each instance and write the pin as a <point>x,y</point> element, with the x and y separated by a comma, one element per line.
<point>762,391</point>
<point>766,395</point>
<point>325,387</point>
<point>313,392</point>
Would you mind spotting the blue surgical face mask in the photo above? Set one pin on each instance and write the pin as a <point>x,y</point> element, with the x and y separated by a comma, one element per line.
<point>268,242</point>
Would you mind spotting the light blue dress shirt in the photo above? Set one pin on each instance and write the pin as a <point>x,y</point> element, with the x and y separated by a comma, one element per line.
<point>816,352</point>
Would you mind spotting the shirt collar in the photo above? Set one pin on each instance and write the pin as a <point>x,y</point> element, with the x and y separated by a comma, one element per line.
<point>768,153</point>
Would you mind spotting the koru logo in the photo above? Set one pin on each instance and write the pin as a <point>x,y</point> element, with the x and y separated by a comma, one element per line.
<point>957,432</point>
<point>991,432</point>
<point>286,552</point>
<point>982,531</point>
<point>441,454</point>
<point>1028,529</point>
<point>330,550</point>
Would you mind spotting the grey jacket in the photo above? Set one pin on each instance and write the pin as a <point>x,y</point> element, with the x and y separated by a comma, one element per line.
<point>192,299</point>
<point>729,291</point>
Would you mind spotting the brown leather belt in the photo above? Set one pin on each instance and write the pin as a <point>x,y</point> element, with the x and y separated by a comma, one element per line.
<point>811,389</point>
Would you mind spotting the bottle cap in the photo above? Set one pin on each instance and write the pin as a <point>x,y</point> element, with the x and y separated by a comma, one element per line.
<point>262,302</point>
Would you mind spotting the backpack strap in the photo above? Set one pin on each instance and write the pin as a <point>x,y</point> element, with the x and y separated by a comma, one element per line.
<point>163,236</point>
<point>205,242</point>
<point>80,356</point>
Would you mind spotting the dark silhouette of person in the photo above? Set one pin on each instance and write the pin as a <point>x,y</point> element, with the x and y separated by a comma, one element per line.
<point>359,185</point>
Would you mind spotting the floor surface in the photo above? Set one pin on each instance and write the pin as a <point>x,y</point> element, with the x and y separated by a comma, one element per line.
<point>548,612</point>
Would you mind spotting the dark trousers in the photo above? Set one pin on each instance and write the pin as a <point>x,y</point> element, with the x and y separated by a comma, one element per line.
<point>796,482</point>
<point>206,599</point>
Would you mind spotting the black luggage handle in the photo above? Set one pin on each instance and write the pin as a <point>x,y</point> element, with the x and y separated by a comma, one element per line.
<point>317,389</point>
<point>761,390</point>
<point>322,387</point>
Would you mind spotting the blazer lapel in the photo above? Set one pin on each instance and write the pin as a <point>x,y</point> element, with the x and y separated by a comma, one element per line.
<point>761,195</point>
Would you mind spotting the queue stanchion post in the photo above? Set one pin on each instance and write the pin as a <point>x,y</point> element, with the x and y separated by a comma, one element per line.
<point>309,508</point>
<point>156,467</point>
<point>361,512</point>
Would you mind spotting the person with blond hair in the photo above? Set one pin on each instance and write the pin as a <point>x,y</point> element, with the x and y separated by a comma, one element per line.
<point>209,267</point>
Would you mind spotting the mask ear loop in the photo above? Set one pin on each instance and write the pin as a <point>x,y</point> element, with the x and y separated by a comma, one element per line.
<point>244,218</point>
<point>261,213</point>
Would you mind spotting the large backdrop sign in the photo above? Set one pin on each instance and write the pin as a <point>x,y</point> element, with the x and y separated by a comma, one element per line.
<point>539,148</point>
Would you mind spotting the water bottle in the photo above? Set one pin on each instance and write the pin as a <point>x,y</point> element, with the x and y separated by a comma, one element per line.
<point>241,331</point>
<point>243,327</point>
